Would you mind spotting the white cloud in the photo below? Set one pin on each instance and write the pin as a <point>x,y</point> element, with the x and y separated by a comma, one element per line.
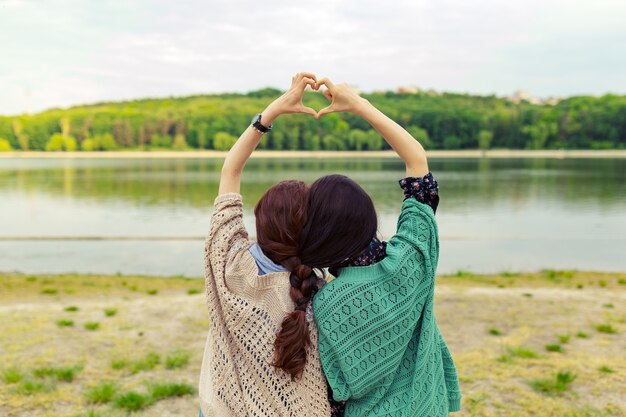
<point>64,52</point>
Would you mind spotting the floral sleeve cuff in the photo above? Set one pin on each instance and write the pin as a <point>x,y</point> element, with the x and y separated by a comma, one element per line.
<point>424,189</point>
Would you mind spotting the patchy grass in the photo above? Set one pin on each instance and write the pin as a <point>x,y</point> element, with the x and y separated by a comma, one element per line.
<point>605,369</point>
<point>490,374</point>
<point>608,305</point>
<point>177,359</point>
<point>564,338</point>
<point>49,291</point>
<point>160,391</point>
<point>133,401</point>
<point>65,323</point>
<point>152,292</point>
<point>91,326</point>
<point>110,312</point>
<point>11,376</point>
<point>30,387</point>
<point>102,393</point>
<point>71,309</point>
<point>522,352</point>
<point>556,385</point>
<point>192,291</point>
<point>605,328</point>
<point>554,347</point>
<point>66,374</point>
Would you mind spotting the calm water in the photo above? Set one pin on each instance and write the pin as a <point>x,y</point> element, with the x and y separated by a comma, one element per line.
<point>495,214</point>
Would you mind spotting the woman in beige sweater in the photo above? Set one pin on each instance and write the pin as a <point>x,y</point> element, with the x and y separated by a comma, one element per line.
<point>261,355</point>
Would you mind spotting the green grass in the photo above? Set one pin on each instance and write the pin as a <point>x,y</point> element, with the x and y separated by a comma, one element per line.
<point>119,363</point>
<point>582,335</point>
<point>60,374</point>
<point>149,362</point>
<point>11,376</point>
<point>560,383</point>
<point>608,305</point>
<point>192,291</point>
<point>110,312</point>
<point>464,274</point>
<point>527,295</point>
<point>605,369</point>
<point>29,387</point>
<point>564,338</point>
<point>71,308</point>
<point>621,281</point>
<point>160,391</point>
<point>178,359</point>
<point>101,394</point>
<point>554,347</point>
<point>31,278</point>
<point>495,332</point>
<point>132,401</point>
<point>91,325</point>
<point>522,352</point>
<point>49,291</point>
<point>606,328</point>
<point>152,292</point>
<point>65,323</point>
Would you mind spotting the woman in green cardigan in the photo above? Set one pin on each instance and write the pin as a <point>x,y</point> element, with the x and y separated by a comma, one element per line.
<point>380,346</point>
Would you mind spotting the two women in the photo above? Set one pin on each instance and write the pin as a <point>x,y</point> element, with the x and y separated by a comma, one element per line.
<point>279,334</point>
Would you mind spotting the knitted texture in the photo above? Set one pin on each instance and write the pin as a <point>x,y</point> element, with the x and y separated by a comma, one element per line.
<point>245,313</point>
<point>380,346</point>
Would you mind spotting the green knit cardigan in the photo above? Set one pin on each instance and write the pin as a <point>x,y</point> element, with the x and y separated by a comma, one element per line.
<point>380,347</point>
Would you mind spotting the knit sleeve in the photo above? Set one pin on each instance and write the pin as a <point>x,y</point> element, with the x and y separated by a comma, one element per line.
<point>227,231</point>
<point>451,378</point>
<point>366,318</point>
<point>417,228</point>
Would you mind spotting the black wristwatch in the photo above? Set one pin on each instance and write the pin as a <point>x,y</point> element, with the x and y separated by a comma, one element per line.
<point>256,123</point>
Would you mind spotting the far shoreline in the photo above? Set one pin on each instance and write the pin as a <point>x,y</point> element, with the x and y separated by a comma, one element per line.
<point>210,154</point>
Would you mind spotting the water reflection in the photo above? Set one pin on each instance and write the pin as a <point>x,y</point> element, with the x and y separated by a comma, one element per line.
<point>569,201</point>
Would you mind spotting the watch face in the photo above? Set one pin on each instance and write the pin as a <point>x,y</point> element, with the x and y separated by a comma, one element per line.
<point>255,118</point>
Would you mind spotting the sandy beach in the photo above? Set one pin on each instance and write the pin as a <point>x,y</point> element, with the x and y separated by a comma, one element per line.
<point>560,154</point>
<point>102,346</point>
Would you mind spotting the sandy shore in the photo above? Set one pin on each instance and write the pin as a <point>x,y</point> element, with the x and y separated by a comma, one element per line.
<point>560,154</point>
<point>65,337</point>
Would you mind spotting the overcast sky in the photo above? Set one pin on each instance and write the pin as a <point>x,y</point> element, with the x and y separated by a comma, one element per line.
<point>56,53</point>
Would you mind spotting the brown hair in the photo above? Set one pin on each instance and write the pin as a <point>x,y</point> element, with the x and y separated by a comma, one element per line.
<point>304,228</point>
<point>280,216</point>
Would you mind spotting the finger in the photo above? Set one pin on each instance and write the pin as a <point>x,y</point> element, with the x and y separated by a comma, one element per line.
<point>328,95</point>
<point>325,110</point>
<point>306,81</point>
<point>328,83</point>
<point>308,110</point>
<point>308,75</point>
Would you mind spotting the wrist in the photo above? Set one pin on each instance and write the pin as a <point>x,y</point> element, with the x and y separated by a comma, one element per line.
<point>362,106</point>
<point>269,115</point>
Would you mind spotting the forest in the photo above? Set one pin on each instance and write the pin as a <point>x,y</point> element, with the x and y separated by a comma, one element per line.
<point>437,120</point>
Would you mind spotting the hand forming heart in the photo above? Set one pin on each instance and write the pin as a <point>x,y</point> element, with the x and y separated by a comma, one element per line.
<point>342,97</point>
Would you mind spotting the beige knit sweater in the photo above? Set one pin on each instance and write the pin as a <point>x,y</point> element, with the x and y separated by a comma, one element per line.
<point>245,314</point>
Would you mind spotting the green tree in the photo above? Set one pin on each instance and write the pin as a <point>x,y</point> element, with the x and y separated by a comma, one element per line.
<point>22,138</point>
<point>180,143</point>
<point>539,134</point>
<point>5,145</point>
<point>484,139</point>
<point>224,141</point>
<point>58,142</point>
<point>421,135</point>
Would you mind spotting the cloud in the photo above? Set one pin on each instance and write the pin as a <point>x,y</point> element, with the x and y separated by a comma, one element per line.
<point>64,52</point>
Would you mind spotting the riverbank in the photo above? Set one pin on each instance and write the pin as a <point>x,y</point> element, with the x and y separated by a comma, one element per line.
<point>74,344</point>
<point>201,154</point>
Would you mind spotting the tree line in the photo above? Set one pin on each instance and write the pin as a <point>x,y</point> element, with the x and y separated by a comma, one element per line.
<point>439,121</point>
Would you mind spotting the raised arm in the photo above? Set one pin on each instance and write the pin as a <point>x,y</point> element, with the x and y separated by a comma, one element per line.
<point>344,98</point>
<point>289,102</point>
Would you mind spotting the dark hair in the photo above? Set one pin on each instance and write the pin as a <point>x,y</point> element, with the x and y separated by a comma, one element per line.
<point>302,229</point>
<point>280,215</point>
<point>341,222</point>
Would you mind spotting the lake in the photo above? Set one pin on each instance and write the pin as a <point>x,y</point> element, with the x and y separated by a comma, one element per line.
<point>149,216</point>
